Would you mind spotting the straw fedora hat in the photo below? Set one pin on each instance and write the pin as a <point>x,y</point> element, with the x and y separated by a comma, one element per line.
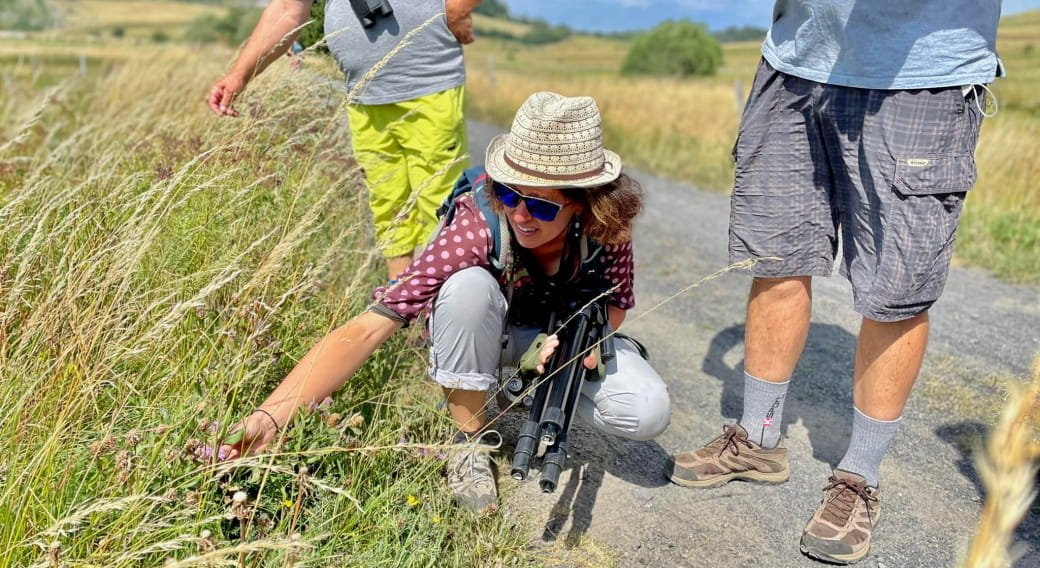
<point>555,141</point>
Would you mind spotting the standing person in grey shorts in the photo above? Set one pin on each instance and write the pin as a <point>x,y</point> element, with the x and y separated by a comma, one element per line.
<point>407,127</point>
<point>860,128</point>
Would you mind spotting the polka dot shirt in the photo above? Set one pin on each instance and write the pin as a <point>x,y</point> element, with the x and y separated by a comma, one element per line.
<point>468,242</point>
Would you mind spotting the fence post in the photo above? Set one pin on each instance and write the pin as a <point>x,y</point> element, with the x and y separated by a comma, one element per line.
<point>82,64</point>
<point>491,71</point>
<point>738,92</point>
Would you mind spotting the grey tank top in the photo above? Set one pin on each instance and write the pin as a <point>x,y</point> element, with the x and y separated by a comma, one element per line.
<point>431,61</point>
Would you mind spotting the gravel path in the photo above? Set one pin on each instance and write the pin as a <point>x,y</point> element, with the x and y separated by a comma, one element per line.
<point>983,331</point>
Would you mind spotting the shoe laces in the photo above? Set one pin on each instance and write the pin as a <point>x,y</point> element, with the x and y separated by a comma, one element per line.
<point>469,465</point>
<point>731,440</point>
<point>842,503</point>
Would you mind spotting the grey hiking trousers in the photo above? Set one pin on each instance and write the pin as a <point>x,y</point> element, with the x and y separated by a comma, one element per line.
<point>466,328</point>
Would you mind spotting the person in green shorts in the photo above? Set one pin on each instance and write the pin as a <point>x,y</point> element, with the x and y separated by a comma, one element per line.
<point>406,111</point>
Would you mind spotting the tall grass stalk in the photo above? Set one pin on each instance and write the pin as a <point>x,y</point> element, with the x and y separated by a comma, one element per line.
<point>1008,469</point>
<point>161,268</point>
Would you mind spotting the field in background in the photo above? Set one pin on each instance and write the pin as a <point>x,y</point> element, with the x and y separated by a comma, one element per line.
<point>137,19</point>
<point>684,129</point>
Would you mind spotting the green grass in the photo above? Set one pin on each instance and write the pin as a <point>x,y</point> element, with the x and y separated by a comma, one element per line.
<point>162,268</point>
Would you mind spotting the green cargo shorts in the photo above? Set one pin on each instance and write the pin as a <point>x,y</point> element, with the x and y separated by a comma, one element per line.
<point>411,154</point>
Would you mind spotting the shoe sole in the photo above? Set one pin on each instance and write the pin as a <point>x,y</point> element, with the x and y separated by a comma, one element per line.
<point>815,552</point>
<point>755,477</point>
<point>842,559</point>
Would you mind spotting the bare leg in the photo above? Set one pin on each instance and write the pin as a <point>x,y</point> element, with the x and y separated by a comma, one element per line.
<point>467,409</point>
<point>396,264</point>
<point>888,358</point>
<point>778,316</point>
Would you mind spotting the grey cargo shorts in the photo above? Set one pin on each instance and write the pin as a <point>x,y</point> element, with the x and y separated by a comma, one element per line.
<point>888,169</point>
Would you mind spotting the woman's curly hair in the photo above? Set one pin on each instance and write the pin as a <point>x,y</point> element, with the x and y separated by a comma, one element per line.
<point>608,210</point>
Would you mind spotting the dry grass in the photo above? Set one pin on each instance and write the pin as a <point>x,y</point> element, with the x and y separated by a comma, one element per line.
<point>160,265</point>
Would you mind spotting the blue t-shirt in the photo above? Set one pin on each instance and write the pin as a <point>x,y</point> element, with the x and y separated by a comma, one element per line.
<point>886,44</point>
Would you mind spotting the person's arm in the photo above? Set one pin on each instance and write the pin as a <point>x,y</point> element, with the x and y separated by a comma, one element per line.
<point>274,34</point>
<point>460,20</point>
<point>325,368</point>
<point>616,316</point>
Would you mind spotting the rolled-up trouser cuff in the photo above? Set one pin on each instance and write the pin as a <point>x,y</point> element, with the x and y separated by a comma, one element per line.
<point>463,381</point>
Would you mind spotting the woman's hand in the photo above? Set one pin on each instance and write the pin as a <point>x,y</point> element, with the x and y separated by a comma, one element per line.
<point>246,438</point>
<point>549,347</point>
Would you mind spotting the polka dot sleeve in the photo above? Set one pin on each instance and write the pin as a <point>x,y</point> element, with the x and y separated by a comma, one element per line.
<point>619,270</point>
<point>466,242</point>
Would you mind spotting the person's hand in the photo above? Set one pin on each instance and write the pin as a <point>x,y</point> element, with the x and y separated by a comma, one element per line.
<point>549,347</point>
<point>223,93</point>
<point>460,22</point>
<point>246,438</point>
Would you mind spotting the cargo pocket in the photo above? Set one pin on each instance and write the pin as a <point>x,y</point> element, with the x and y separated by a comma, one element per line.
<point>920,226</point>
<point>935,175</point>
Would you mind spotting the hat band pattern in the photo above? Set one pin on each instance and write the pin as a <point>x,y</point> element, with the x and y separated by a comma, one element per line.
<point>554,177</point>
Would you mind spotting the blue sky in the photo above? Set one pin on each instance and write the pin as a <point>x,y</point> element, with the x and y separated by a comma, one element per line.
<point>615,15</point>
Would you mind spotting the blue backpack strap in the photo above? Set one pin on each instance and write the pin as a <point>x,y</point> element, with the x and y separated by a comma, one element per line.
<point>474,180</point>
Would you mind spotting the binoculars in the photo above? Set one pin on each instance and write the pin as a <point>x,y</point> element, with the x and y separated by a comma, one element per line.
<point>367,11</point>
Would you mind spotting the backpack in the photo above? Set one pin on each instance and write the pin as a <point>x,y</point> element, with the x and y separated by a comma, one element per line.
<point>474,180</point>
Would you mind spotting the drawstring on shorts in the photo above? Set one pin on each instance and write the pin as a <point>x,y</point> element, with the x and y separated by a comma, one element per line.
<point>992,96</point>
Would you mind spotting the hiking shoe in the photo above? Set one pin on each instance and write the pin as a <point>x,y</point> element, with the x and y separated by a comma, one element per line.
<point>840,530</point>
<point>469,472</point>
<point>728,457</point>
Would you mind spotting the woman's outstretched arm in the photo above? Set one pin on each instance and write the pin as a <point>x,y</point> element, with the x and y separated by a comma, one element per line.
<point>326,367</point>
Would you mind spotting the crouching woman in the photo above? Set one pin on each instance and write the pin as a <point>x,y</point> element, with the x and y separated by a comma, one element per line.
<point>565,213</point>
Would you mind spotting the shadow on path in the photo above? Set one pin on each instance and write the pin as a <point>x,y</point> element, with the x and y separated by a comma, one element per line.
<point>820,395</point>
<point>593,454</point>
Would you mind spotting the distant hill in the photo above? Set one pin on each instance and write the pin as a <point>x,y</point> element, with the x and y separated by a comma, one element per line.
<point>536,31</point>
<point>740,33</point>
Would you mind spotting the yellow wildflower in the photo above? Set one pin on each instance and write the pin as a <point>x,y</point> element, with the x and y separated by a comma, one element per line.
<point>412,500</point>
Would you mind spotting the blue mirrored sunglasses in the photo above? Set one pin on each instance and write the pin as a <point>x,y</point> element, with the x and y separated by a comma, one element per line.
<point>541,209</point>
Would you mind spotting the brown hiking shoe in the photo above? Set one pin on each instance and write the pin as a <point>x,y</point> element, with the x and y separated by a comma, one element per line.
<point>728,457</point>
<point>840,530</point>
<point>469,472</point>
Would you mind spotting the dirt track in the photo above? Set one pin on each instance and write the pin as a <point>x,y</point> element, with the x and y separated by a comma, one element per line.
<point>983,331</point>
